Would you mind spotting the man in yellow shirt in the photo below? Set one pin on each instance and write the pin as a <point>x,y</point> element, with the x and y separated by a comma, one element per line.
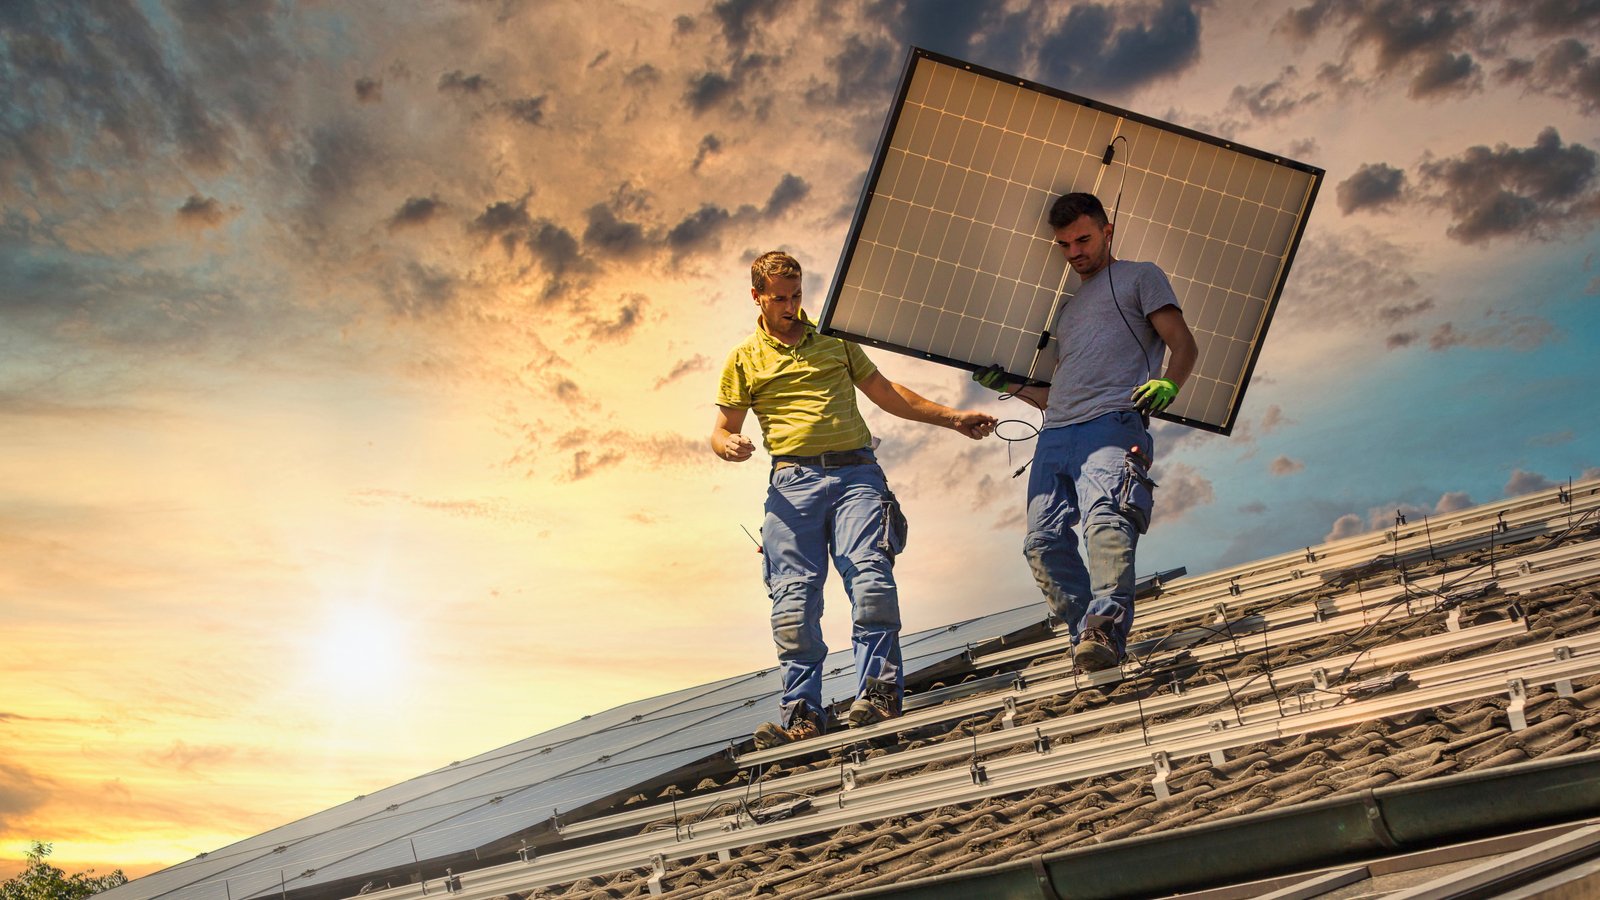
<point>826,496</point>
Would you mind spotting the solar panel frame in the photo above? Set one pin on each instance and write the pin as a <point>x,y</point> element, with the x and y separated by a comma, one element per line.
<point>921,272</point>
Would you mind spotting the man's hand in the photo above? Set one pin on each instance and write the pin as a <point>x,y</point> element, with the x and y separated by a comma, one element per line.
<point>737,448</point>
<point>992,377</point>
<point>1154,395</point>
<point>973,424</point>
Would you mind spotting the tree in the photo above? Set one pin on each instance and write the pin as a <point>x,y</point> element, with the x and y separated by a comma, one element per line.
<point>42,881</point>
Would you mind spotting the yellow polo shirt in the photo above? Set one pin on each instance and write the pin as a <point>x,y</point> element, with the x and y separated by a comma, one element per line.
<point>804,396</point>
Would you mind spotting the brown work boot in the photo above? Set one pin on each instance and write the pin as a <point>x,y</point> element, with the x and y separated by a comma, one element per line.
<point>805,724</point>
<point>881,701</point>
<point>1095,652</point>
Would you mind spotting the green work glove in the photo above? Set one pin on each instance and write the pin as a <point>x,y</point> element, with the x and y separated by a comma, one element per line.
<point>1154,395</point>
<point>992,377</point>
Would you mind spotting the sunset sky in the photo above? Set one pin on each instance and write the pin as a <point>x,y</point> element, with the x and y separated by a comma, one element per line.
<point>357,358</point>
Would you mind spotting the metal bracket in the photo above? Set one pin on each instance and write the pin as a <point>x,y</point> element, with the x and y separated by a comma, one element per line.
<point>1564,685</point>
<point>979,774</point>
<point>658,868</point>
<point>1221,609</point>
<point>1319,677</point>
<point>1041,744</point>
<point>1233,588</point>
<point>1452,622</point>
<point>1163,769</point>
<point>724,855</point>
<point>849,778</point>
<point>526,853</point>
<point>1219,724</point>
<point>1218,758</point>
<point>1517,711</point>
<point>452,882</point>
<point>1009,718</point>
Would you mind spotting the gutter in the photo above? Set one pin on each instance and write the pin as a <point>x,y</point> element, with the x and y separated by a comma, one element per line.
<point>1364,825</point>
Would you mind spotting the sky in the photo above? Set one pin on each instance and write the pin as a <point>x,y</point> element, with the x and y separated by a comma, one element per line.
<point>357,358</point>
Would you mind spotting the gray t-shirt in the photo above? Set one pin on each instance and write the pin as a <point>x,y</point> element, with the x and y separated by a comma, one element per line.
<point>1099,361</point>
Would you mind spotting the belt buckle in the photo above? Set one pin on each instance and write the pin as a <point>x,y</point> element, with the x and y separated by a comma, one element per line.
<point>827,464</point>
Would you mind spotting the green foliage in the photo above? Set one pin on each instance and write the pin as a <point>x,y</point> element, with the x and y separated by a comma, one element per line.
<point>42,881</point>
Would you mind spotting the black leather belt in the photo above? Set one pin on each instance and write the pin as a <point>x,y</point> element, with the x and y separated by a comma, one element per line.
<point>833,459</point>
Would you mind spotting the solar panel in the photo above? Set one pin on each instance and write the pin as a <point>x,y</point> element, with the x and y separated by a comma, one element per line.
<point>950,257</point>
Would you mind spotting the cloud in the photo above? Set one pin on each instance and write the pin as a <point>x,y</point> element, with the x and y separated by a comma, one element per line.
<point>1373,186</point>
<point>1181,489</point>
<point>369,90</point>
<point>1446,73</point>
<point>1524,482</point>
<point>1273,419</point>
<point>1371,292</point>
<point>629,313</point>
<point>1552,439</point>
<point>1536,191</point>
<point>529,110</point>
<point>416,211</point>
<point>709,145</point>
<point>740,18</point>
<point>202,212</point>
<point>609,236</point>
<point>1283,465</point>
<point>1273,99</point>
<point>1351,524</point>
<point>186,758</point>
<point>1425,40</point>
<point>1505,331</point>
<point>1253,508</point>
<point>707,90</point>
<point>1114,48</point>
<point>697,363</point>
<point>458,82</point>
<point>587,453</point>
<point>1452,501</point>
<point>790,191</point>
<point>21,792</point>
<point>1564,68</point>
<point>1347,525</point>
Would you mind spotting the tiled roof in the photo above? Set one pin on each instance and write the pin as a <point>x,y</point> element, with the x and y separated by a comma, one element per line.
<point>1468,643</point>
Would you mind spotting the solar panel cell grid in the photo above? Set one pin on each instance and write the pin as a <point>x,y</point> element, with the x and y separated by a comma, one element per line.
<point>951,258</point>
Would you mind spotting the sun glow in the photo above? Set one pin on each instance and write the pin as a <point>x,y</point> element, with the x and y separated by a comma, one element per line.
<point>359,652</point>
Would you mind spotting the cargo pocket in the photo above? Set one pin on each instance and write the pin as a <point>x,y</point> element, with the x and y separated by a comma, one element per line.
<point>1136,499</point>
<point>895,527</point>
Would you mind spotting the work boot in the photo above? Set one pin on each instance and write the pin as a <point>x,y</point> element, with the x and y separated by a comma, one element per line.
<point>1095,652</point>
<point>803,724</point>
<point>881,701</point>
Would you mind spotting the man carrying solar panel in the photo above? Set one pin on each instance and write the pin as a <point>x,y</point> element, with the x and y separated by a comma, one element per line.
<point>1092,464</point>
<point>826,496</point>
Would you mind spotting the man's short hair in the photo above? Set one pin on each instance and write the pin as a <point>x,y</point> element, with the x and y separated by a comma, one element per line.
<point>770,265</point>
<point>1069,207</point>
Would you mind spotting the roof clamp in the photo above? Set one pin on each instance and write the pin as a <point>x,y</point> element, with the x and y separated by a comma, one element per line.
<point>1163,769</point>
<point>1319,678</point>
<point>979,774</point>
<point>1218,758</point>
<point>1221,609</point>
<point>1311,557</point>
<point>526,853</point>
<point>1517,710</point>
<point>1041,744</point>
<point>658,868</point>
<point>1019,683</point>
<point>1500,525</point>
<point>1218,725</point>
<point>452,882</point>
<point>1009,718</point>
<point>1564,685</point>
<point>848,779</point>
<point>1452,622</point>
<point>1233,587</point>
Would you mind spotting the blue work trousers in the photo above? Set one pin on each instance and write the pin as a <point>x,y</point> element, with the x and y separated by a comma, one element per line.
<point>1094,474</point>
<point>843,513</point>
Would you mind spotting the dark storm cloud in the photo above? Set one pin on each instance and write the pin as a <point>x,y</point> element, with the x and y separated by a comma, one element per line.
<point>201,212</point>
<point>1558,17</point>
<point>505,220</point>
<point>369,90</point>
<point>1565,68</point>
<point>1101,47</point>
<point>416,211</point>
<point>944,26</point>
<point>93,84</point>
<point>709,145</point>
<point>610,236</point>
<point>866,69</point>
<point>527,109</point>
<point>1446,73</point>
<point>790,190</point>
<point>1373,186</point>
<point>1531,191</point>
<point>556,250</point>
<point>462,83</point>
<point>701,228</point>
<point>740,17</point>
<point>707,90</point>
<point>642,75</point>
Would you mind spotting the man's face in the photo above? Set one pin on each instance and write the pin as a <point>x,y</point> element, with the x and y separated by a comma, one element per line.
<point>1086,244</point>
<point>780,305</point>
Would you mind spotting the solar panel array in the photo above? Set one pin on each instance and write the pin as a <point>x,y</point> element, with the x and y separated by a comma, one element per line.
<point>950,257</point>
